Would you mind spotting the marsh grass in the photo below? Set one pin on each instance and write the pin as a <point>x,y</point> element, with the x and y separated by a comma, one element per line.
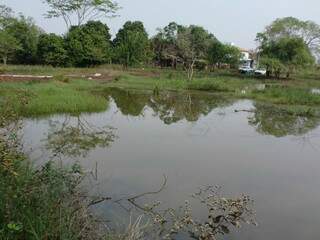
<point>41,203</point>
<point>54,97</point>
<point>45,202</point>
<point>64,95</point>
<point>217,83</point>
<point>287,95</point>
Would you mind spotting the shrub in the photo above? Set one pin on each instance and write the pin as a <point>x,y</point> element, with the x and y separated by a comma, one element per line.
<point>62,78</point>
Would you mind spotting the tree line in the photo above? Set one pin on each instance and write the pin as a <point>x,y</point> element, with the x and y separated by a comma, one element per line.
<point>90,44</point>
<point>284,45</point>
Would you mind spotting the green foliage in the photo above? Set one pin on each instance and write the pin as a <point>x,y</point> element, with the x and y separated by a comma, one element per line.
<point>6,14</point>
<point>89,44</point>
<point>285,54</point>
<point>62,78</point>
<point>8,46</point>
<point>131,45</point>
<point>287,95</point>
<point>164,45</point>
<point>273,66</point>
<point>26,34</point>
<point>280,121</point>
<point>51,50</point>
<point>77,140</point>
<point>290,27</point>
<point>219,53</point>
<point>54,97</point>
<point>39,204</point>
<point>193,43</point>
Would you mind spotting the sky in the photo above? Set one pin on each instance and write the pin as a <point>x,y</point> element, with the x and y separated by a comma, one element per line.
<point>231,21</point>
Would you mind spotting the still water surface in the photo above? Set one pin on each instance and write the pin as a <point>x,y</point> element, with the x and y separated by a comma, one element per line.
<point>196,140</point>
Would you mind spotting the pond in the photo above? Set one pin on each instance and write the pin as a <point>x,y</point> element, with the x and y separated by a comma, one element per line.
<point>195,140</point>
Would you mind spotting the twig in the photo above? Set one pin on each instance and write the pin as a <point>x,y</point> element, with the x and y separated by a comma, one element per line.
<point>244,110</point>
<point>150,193</point>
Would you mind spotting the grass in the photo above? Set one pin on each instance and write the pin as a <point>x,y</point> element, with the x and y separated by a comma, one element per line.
<point>38,203</point>
<point>74,96</point>
<point>217,83</point>
<point>41,203</point>
<point>53,97</point>
<point>288,95</point>
<point>275,92</point>
<point>49,70</point>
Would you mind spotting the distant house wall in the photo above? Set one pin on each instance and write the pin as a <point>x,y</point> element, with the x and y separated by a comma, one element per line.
<point>245,56</point>
<point>248,58</point>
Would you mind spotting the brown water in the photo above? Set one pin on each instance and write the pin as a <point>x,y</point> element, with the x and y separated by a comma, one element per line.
<point>196,140</point>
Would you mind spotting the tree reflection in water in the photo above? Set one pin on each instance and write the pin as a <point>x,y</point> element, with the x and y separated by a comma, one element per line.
<point>170,107</point>
<point>276,121</point>
<point>77,138</point>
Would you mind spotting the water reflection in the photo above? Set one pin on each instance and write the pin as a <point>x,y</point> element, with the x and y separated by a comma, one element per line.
<point>235,153</point>
<point>170,107</point>
<point>76,138</point>
<point>272,120</point>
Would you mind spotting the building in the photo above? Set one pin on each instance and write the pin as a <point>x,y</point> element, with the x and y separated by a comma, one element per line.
<point>247,58</point>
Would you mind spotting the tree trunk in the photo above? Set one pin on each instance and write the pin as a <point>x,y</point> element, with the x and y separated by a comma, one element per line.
<point>190,70</point>
<point>4,60</point>
<point>268,73</point>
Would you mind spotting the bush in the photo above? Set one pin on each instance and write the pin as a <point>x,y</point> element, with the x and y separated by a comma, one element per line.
<point>3,70</point>
<point>40,204</point>
<point>62,78</point>
<point>206,85</point>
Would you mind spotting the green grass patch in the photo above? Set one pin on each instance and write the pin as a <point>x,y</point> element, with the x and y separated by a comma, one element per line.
<point>41,203</point>
<point>63,95</point>
<point>287,95</point>
<point>53,97</point>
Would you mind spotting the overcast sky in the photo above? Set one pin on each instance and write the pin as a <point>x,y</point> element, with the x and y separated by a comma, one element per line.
<point>235,21</point>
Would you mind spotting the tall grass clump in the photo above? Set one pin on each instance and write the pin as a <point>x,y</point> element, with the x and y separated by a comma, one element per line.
<point>38,203</point>
<point>54,97</point>
<point>288,95</point>
<point>206,85</point>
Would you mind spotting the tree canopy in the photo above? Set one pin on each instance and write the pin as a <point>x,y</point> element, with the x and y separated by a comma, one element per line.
<point>89,44</point>
<point>186,44</point>
<point>8,46</point>
<point>131,44</point>
<point>51,50</point>
<point>193,43</point>
<point>309,31</point>
<point>24,32</point>
<point>6,13</point>
<point>219,53</point>
<point>164,44</point>
<point>291,52</point>
<point>81,10</point>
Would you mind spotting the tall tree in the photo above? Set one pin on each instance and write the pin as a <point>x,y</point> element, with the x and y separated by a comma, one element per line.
<point>309,31</point>
<point>81,10</point>
<point>6,14</point>
<point>216,53</point>
<point>232,55</point>
<point>164,45</point>
<point>8,46</point>
<point>27,34</point>
<point>51,50</point>
<point>131,45</point>
<point>219,53</point>
<point>89,44</point>
<point>291,52</point>
<point>193,43</point>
